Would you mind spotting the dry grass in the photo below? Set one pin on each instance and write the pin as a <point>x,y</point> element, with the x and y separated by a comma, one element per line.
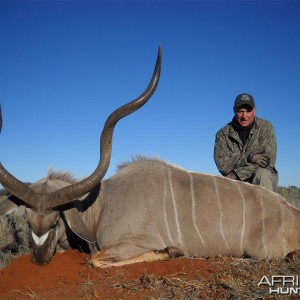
<point>234,279</point>
<point>291,194</point>
<point>14,239</point>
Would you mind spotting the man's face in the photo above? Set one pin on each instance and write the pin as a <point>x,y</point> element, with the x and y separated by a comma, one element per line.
<point>244,115</point>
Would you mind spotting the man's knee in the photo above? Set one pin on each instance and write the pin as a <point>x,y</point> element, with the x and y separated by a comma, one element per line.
<point>265,178</point>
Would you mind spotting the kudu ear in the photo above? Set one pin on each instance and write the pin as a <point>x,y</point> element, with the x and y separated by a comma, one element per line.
<point>76,224</point>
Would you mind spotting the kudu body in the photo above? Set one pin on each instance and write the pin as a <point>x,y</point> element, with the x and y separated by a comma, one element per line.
<point>152,210</point>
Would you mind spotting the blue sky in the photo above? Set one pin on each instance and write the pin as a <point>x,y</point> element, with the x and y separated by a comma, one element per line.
<point>65,66</point>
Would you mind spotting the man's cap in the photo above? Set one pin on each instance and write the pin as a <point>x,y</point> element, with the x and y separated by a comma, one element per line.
<point>244,99</point>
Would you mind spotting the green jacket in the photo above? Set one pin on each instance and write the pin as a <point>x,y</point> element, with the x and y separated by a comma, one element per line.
<point>230,153</point>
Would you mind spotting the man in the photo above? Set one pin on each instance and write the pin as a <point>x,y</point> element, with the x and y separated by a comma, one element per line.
<point>245,149</point>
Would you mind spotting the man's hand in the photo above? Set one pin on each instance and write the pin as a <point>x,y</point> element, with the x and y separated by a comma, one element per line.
<point>260,159</point>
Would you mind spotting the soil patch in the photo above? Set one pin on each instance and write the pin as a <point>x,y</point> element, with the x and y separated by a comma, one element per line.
<point>69,276</point>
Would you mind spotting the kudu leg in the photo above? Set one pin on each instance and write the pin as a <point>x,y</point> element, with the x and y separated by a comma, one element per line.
<point>103,260</point>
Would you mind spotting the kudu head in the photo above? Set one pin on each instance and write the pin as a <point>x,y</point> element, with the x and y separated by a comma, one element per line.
<point>44,199</point>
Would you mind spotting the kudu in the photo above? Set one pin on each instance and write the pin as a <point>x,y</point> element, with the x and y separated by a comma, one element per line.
<point>151,210</point>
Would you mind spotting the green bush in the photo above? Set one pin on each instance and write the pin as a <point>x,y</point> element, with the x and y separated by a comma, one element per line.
<point>291,194</point>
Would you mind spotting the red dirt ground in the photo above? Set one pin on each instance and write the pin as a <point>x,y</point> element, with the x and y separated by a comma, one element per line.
<point>69,276</point>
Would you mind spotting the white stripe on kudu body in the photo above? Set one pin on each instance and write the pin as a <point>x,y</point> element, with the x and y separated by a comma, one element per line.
<point>165,211</point>
<point>263,235</point>
<point>194,208</point>
<point>221,213</point>
<point>174,206</point>
<point>244,216</point>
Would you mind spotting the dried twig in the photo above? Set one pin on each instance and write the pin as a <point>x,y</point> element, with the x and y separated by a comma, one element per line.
<point>31,294</point>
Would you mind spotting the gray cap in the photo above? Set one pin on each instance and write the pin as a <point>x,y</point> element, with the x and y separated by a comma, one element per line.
<point>244,99</point>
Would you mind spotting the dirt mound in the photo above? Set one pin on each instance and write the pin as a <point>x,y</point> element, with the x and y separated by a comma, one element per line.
<point>69,276</point>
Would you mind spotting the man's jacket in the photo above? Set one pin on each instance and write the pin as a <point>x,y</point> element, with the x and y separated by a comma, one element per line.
<point>231,155</point>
